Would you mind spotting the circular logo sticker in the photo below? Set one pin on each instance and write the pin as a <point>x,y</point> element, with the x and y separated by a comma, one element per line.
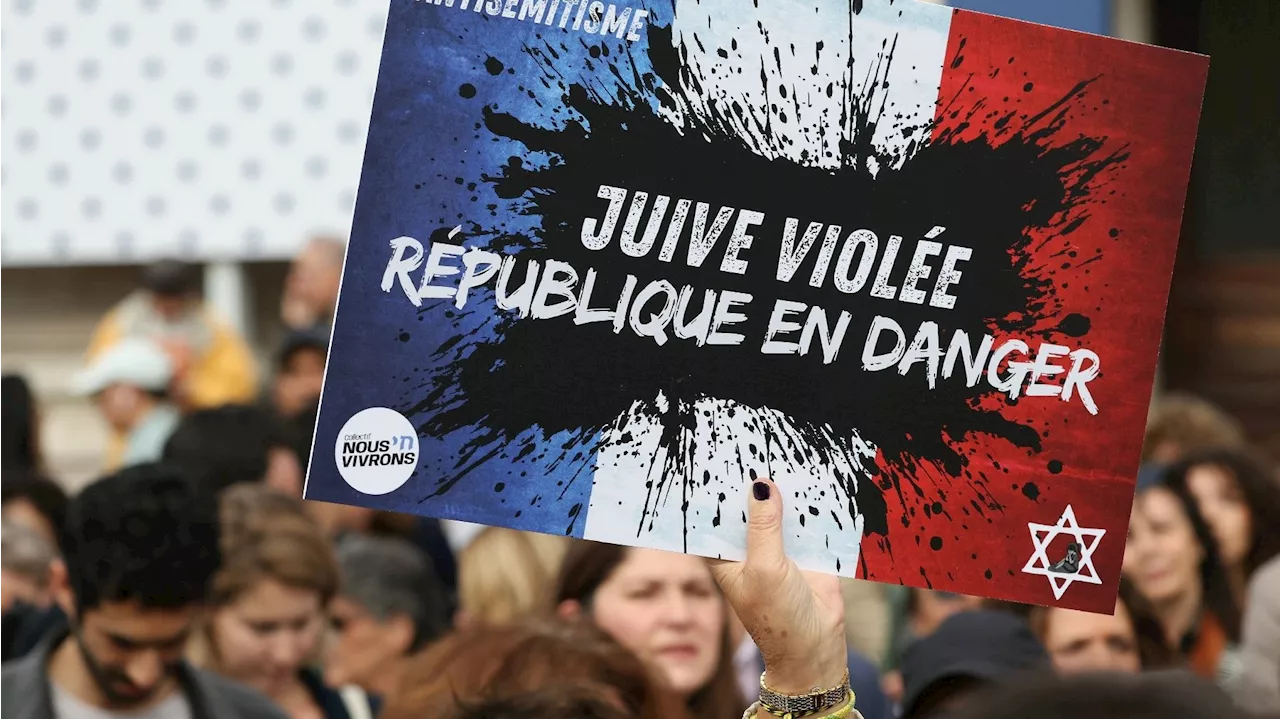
<point>376,451</point>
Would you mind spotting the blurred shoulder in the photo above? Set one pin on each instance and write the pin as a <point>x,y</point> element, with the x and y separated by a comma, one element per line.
<point>234,700</point>
<point>21,688</point>
<point>1265,583</point>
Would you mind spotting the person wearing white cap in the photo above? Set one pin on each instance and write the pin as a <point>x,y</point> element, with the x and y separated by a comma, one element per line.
<point>130,382</point>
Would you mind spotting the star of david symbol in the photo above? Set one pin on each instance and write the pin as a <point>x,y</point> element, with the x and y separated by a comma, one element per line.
<point>1077,565</point>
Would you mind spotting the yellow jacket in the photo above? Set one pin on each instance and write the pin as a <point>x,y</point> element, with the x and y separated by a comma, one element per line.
<point>219,369</point>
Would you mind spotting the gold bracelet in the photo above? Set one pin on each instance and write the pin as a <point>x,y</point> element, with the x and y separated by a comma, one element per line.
<point>811,704</point>
<point>845,711</point>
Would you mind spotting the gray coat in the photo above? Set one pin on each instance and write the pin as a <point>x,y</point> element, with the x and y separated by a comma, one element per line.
<point>25,691</point>
<point>1258,689</point>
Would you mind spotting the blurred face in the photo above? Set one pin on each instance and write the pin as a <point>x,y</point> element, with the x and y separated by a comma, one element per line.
<point>1167,452</point>
<point>22,512</point>
<point>121,405</point>
<point>1220,501</point>
<point>365,650</point>
<point>666,608</point>
<point>1161,555</point>
<point>16,587</point>
<point>932,608</point>
<point>315,275</point>
<point>173,308</point>
<point>284,472</point>
<point>1081,642</point>
<point>298,386</point>
<point>264,637</point>
<point>133,653</point>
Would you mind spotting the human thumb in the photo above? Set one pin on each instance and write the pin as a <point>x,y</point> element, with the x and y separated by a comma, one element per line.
<point>764,527</point>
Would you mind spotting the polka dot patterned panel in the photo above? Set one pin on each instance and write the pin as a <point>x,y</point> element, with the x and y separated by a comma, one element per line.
<point>204,129</point>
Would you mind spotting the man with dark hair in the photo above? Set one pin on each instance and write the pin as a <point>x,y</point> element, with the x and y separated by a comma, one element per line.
<point>392,604</point>
<point>235,444</point>
<point>139,550</point>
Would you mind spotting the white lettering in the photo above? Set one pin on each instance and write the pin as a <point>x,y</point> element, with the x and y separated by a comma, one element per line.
<point>436,268</point>
<point>739,241</point>
<point>724,315</point>
<point>399,267</point>
<point>778,324</point>
<point>872,362</point>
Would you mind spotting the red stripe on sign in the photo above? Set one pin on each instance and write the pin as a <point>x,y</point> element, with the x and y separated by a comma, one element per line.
<point>1128,114</point>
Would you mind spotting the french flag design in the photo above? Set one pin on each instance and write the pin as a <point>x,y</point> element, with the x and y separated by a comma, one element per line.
<point>583,228</point>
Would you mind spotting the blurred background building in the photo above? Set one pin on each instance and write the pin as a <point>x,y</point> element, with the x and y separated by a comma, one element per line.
<point>222,132</point>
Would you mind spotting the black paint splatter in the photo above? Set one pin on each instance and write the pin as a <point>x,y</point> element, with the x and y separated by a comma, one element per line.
<point>1074,325</point>
<point>989,192</point>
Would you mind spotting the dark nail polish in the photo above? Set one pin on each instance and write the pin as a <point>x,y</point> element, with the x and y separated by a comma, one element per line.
<point>761,491</point>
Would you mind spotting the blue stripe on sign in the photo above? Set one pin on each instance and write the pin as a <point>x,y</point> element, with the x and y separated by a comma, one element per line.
<point>1084,15</point>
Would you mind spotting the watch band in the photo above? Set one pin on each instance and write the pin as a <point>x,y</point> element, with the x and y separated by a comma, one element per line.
<point>800,705</point>
<point>844,711</point>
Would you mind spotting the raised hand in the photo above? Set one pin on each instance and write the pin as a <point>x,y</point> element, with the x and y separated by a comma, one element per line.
<point>796,618</point>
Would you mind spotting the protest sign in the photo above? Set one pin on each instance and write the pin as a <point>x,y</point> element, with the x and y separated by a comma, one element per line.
<point>611,260</point>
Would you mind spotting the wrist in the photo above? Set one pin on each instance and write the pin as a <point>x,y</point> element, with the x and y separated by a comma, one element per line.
<point>801,675</point>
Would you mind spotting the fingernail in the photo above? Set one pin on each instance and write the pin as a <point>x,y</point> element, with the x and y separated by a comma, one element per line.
<point>761,491</point>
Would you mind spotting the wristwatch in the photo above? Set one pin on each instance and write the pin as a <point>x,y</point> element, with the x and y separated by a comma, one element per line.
<point>798,705</point>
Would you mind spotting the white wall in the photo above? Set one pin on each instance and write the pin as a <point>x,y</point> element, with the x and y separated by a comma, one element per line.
<point>207,129</point>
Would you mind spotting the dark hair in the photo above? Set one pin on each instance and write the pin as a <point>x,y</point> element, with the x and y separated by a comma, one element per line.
<point>169,278</point>
<point>19,446</point>
<point>299,341</point>
<point>1258,487</point>
<point>587,565</point>
<point>147,534</point>
<point>300,430</point>
<point>570,701</point>
<point>1157,695</point>
<point>388,577</point>
<point>1219,597</point>
<point>46,495</point>
<point>1025,612</point>
<point>1153,649</point>
<point>226,445</point>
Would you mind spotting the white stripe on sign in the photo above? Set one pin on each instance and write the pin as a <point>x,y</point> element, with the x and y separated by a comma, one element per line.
<point>917,34</point>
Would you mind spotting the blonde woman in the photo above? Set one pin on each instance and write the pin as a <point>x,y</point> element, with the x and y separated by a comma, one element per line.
<point>504,575</point>
<point>269,606</point>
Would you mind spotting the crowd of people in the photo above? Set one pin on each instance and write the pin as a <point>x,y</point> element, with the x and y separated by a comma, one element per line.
<point>191,579</point>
